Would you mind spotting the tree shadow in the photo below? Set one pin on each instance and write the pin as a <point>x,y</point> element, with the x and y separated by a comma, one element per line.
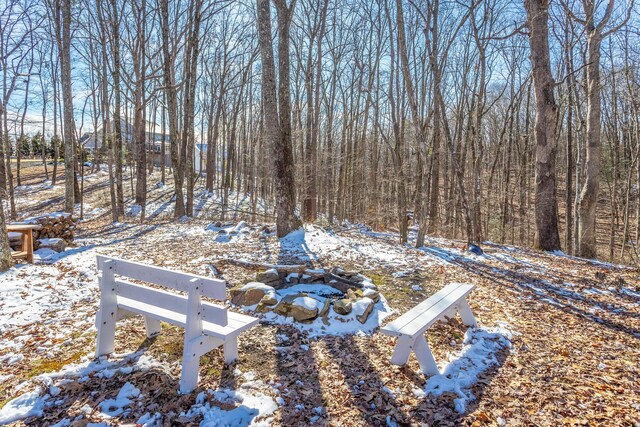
<point>542,290</point>
<point>375,402</point>
<point>80,249</point>
<point>299,379</point>
<point>452,406</point>
<point>293,249</point>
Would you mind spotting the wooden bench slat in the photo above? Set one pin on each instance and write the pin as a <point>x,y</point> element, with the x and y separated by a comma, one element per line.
<point>236,324</point>
<point>160,298</point>
<point>419,309</point>
<point>422,316</point>
<point>211,288</point>
<point>19,254</point>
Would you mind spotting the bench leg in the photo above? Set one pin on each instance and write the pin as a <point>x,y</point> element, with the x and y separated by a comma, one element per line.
<point>108,312</point>
<point>152,326</point>
<point>466,314</point>
<point>192,331</point>
<point>402,351</point>
<point>190,368</point>
<point>231,350</point>
<point>106,324</point>
<point>29,243</point>
<point>425,358</point>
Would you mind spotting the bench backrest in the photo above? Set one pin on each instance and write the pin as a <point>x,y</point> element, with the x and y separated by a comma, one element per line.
<point>193,285</point>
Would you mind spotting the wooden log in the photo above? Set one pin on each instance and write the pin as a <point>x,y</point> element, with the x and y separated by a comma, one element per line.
<point>340,283</point>
<point>259,266</point>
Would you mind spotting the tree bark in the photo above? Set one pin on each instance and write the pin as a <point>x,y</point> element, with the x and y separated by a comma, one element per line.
<point>63,20</point>
<point>277,116</point>
<point>547,236</point>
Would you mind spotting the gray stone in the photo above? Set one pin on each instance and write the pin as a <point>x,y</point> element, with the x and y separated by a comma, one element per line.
<point>355,294</point>
<point>299,306</point>
<point>269,299</point>
<point>373,294</point>
<point>263,308</point>
<point>250,294</point>
<point>304,308</point>
<point>325,309</point>
<point>365,307</point>
<point>284,305</point>
<point>268,276</point>
<point>342,306</point>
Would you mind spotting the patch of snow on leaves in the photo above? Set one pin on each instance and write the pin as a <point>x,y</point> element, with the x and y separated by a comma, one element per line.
<point>630,293</point>
<point>310,241</point>
<point>134,210</point>
<point>115,407</point>
<point>32,293</point>
<point>27,405</point>
<point>252,408</point>
<point>148,420</point>
<point>32,403</point>
<point>401,274</point>
<point>478,355</point>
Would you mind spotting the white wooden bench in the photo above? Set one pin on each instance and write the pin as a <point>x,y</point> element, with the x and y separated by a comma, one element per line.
<point>411,326</point>
<point>207,326</point>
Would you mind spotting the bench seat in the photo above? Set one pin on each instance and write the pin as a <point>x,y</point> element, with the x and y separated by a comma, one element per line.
<point>411,326</point>
<point>236,322</point>
<point>19,254</point>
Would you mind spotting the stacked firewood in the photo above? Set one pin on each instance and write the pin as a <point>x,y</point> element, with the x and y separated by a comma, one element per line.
<point>55,225</point>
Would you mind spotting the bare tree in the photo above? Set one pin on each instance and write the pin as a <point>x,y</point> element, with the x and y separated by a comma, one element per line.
<point>62,25</point>
<point>277,116</point>
<point>595,32</point>
<point>547,236</point>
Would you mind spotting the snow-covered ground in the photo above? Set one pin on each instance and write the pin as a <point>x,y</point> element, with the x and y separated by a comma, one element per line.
<point>251,406</point>
<point>301,376</point>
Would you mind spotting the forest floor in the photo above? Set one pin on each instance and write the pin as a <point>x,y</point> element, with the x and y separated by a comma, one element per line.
<point>558,344</point>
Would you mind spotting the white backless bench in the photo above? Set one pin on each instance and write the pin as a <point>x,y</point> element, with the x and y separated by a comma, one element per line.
<point>411,326</point>
<point>207,326</point>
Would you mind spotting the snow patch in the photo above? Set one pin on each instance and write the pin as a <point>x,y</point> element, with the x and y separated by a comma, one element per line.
<point>115,407</point>
<point>27,405</point>
<point>478,355</point>
<point>253,408</point>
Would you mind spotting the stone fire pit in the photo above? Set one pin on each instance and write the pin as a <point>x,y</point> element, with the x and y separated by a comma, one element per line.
<point>322,302</point>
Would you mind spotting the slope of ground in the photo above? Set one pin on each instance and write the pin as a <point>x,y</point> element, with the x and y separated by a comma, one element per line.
<point>559,342</point>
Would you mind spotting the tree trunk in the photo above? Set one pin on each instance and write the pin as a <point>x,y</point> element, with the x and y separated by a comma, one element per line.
<point>277,118</point>
<point>547,236</point>
<point>589,193</point>
<point>6,261</point>
<point>63,18</point>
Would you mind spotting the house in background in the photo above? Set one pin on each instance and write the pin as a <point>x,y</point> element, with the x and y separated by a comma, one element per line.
<point>93,141</point>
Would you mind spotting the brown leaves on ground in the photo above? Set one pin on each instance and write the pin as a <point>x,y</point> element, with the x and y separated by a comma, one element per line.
<point>575,358</point>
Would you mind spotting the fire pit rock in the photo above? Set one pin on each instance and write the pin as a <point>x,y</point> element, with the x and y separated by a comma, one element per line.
<point>304,296</point>
<point>252,293</point>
